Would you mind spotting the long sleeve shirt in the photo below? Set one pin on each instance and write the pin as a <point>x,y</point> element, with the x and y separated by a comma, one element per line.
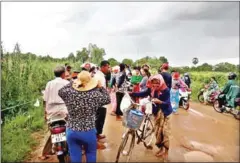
<point>227,86</point>
<point>120,79</point>
<point>164,97</point>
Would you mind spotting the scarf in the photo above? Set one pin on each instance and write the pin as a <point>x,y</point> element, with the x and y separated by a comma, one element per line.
<point>162,85</point>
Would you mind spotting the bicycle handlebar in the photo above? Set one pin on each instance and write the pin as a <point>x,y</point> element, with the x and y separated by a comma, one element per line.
<point>134,103</point>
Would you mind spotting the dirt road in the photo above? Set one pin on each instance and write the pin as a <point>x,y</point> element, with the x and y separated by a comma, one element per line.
<point>213,137</point>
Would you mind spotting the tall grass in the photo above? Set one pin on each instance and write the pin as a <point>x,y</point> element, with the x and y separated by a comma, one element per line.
<point>199,79</point>
<point>16,135</point>
<point>22,81</point>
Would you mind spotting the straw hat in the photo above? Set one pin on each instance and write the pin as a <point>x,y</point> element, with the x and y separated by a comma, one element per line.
<point>85,82</point>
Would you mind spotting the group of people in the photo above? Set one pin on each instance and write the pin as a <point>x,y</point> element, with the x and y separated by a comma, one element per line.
<point>228,93</point>
<point>83,96</point>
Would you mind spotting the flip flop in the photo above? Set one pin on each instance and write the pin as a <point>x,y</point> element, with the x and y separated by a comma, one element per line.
<point>43,157</point>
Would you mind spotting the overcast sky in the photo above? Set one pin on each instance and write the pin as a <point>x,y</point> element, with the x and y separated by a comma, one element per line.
<point>176,30</point>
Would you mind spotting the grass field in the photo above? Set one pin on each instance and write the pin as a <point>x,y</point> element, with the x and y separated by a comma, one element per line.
<point>22,81</point>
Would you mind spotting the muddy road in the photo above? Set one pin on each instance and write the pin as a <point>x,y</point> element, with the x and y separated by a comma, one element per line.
<point>199,134</point>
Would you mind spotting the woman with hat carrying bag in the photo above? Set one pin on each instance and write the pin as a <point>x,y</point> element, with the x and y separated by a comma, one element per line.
<point>83,97</point>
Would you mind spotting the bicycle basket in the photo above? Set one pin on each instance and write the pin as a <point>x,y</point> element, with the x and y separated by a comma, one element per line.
<point>133,119</point>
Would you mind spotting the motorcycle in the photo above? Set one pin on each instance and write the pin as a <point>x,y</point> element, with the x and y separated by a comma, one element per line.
<point>211,97</point>
<point>184,96</point>
<point>57,127</point>
<point>227,109</point>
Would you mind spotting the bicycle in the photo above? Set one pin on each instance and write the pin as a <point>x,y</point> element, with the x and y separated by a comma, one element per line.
<point>146,131</point>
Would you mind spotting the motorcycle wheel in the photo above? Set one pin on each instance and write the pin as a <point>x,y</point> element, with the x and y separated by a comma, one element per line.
<point>216,107</point>
<point>200,98</point>
<point>64,158</point>
<point>237,116</point>
<point>185,105</point>
<point>67,159</point>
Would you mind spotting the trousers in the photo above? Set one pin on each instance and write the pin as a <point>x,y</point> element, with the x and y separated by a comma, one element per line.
<point>78,139</point>
<point>100,119</point>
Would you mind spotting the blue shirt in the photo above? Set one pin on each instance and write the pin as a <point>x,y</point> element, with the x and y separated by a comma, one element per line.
<point>164,97</point>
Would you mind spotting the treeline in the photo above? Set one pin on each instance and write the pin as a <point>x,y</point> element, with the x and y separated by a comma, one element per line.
<point>95,54</point>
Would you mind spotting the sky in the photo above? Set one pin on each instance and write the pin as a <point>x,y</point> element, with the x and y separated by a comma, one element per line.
<point>179,31</point>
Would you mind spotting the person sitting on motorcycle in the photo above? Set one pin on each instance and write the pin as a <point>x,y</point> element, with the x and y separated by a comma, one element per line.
<point>211,87</point>
<point>177,83</point>
<point>53,103</point>
<point>225,93</point>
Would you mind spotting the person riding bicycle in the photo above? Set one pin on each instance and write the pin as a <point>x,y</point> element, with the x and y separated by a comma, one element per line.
<point>229,92</point>
<point>210,88</point>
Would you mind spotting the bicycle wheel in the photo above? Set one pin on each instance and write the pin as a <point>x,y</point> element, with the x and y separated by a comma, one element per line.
<point>126,154</point>
<point>148,133</point>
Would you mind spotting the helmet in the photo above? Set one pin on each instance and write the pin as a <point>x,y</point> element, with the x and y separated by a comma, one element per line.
<point>176,75</point>
<point>186,74</point>
<point>231,76</point>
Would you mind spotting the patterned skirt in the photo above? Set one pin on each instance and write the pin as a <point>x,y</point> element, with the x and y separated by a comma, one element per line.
<point>162,130</point>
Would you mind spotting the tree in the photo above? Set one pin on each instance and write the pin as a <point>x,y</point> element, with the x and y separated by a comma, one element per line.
<point>154,63</point>
<point>113,62</point>
<point>97,54</point>
<point>225,67</point>
<point>128,62</point>
<point>82,55</point>
<point>163,59</point>
<point>141,61</point>
<point>71,57</point>
<point>1,50</point>
<point>17,49</point>
<point>205,67</point>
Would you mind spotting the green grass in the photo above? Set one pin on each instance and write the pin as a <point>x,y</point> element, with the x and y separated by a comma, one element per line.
<point>16,134</point>
<point>199,79</point>
<point>22,81</point>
